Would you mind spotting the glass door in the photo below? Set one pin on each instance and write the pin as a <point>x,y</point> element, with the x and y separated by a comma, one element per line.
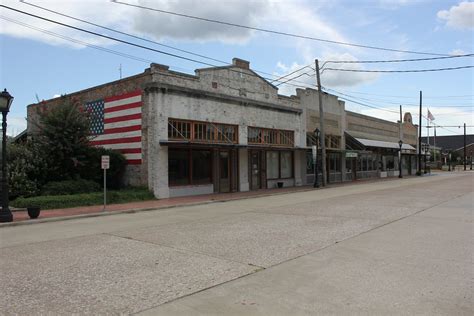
<point>255,170</point>
<point>224,171</point>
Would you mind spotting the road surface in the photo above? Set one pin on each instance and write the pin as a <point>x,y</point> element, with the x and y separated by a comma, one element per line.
<point>398,247</point>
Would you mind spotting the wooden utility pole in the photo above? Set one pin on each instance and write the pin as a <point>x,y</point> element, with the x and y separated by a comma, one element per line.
<point>321,126</point>
<point>419,137</point>
<point>465,157</point>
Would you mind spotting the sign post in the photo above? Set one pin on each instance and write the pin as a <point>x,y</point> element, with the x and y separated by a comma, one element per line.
<point>105,163</point>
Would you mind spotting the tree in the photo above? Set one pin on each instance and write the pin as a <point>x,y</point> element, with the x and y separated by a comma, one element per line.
<point>63,139</point>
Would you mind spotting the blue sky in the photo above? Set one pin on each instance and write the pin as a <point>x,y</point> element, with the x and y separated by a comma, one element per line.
<point>33,63</point>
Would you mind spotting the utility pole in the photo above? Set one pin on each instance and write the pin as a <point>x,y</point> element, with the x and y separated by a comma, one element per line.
<point>321,125</point>
<point>400,142</point>
<point>465,157</point>
<point>419,137</point>
<point>120,71</point>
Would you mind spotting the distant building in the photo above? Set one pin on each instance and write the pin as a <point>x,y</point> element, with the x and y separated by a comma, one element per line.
<point>227,129</point>
<point>453,144</point>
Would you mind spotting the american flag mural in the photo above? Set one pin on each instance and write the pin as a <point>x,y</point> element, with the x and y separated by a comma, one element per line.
<point>116,123</point>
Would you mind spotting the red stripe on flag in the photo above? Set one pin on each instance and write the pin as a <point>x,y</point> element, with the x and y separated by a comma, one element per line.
<point>117,141</point>
<point>123,129</point>
<point>123,96</point>
<point>123,107</point>
<point>134,161</point>
<point>123,118</point>
<point>130,150</point>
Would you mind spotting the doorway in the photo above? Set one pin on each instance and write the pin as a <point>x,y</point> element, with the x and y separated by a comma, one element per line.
<point>255,176</point>
<point>224,171</point>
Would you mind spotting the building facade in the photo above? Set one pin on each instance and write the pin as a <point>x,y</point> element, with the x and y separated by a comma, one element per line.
<point>226,129</point>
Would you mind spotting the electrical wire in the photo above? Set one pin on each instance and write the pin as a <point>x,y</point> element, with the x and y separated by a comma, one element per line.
<point>134,44</point>
<point>413,97</point>
<point>273,31</point>
<point>142,38</point>
<point>394,60</point>
<point>400,71</point>
<point>76,41</point>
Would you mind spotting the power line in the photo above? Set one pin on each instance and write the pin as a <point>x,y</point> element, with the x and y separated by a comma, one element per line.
<point>394,60</point>
<point>273,31</point>
<point>76,41</point>
<point>145,39</point>
<point>403,103</point>
<point>123,33</point>
<point>400,71</point>
<point>357,102</point>
<point>132,44</point>
<point>413,97</point>
<point>299,69</point>
<point>291,79</point>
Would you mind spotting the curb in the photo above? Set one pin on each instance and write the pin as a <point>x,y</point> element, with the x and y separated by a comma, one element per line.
<point>146,209</point>
<point>138,210</point>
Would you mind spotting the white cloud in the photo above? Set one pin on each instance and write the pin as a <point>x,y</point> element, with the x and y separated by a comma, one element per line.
<point>94,10</point>
<point>456,52</point>
<point>294,17</point>
<point>460,16</point>
<point>161,25</point>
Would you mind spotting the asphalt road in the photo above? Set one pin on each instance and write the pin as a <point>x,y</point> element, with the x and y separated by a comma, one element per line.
<point>394,247</point>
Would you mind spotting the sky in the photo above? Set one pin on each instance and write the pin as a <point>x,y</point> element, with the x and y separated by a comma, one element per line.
<point>42,60</point>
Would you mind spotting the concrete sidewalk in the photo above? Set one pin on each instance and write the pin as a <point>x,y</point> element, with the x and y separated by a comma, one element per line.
<point>97,210</point>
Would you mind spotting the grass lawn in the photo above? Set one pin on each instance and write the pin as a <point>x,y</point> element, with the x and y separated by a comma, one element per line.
<point>47,202</point>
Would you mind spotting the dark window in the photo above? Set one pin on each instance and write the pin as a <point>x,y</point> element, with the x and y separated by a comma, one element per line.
<point>181,161</point>
<point>201,160</point>
<point>178,166</point>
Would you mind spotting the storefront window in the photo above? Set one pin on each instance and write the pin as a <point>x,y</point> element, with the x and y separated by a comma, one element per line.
<point>286,164</point>
<point>334,162</point>
<point>309,162</point>
<point>178,166</point>
<point>181,161</point>
<point>272,165</point>
<point>279,164</point>
<point>201,160</point>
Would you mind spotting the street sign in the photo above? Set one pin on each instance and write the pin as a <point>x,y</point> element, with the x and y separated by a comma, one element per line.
<point>351,155</point>
<point>314,153</point>
<point>105,162</point>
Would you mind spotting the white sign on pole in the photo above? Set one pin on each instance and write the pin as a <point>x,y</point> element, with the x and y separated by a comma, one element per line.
<point>105,162</point>
<point>314,153</point>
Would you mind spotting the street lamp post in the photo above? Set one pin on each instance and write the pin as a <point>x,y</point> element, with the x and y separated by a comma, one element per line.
<point>427,150</point>
<point>400,143</point>
<point>449,160</point>
<point>315,159</point>
<point>5,102</point>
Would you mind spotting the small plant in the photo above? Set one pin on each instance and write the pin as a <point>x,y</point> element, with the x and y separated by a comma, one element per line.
<point>70,187</point>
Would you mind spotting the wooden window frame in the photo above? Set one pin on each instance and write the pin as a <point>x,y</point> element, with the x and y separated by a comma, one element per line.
<point>219,132</point>
<point>271,136</point>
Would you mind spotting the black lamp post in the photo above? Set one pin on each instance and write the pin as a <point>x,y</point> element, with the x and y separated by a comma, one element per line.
<point>449,161</point>
<point>5,102</point>
<point>315,159</point>
<point>400,143</point>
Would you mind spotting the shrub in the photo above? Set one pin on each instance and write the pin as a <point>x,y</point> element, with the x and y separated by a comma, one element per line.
<point>27,169</point>
<point>70,187</point>
<point>90,167</point>
<point>84,199</point>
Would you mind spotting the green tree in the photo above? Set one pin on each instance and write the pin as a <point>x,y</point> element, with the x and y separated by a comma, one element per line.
<point>63,133</point>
